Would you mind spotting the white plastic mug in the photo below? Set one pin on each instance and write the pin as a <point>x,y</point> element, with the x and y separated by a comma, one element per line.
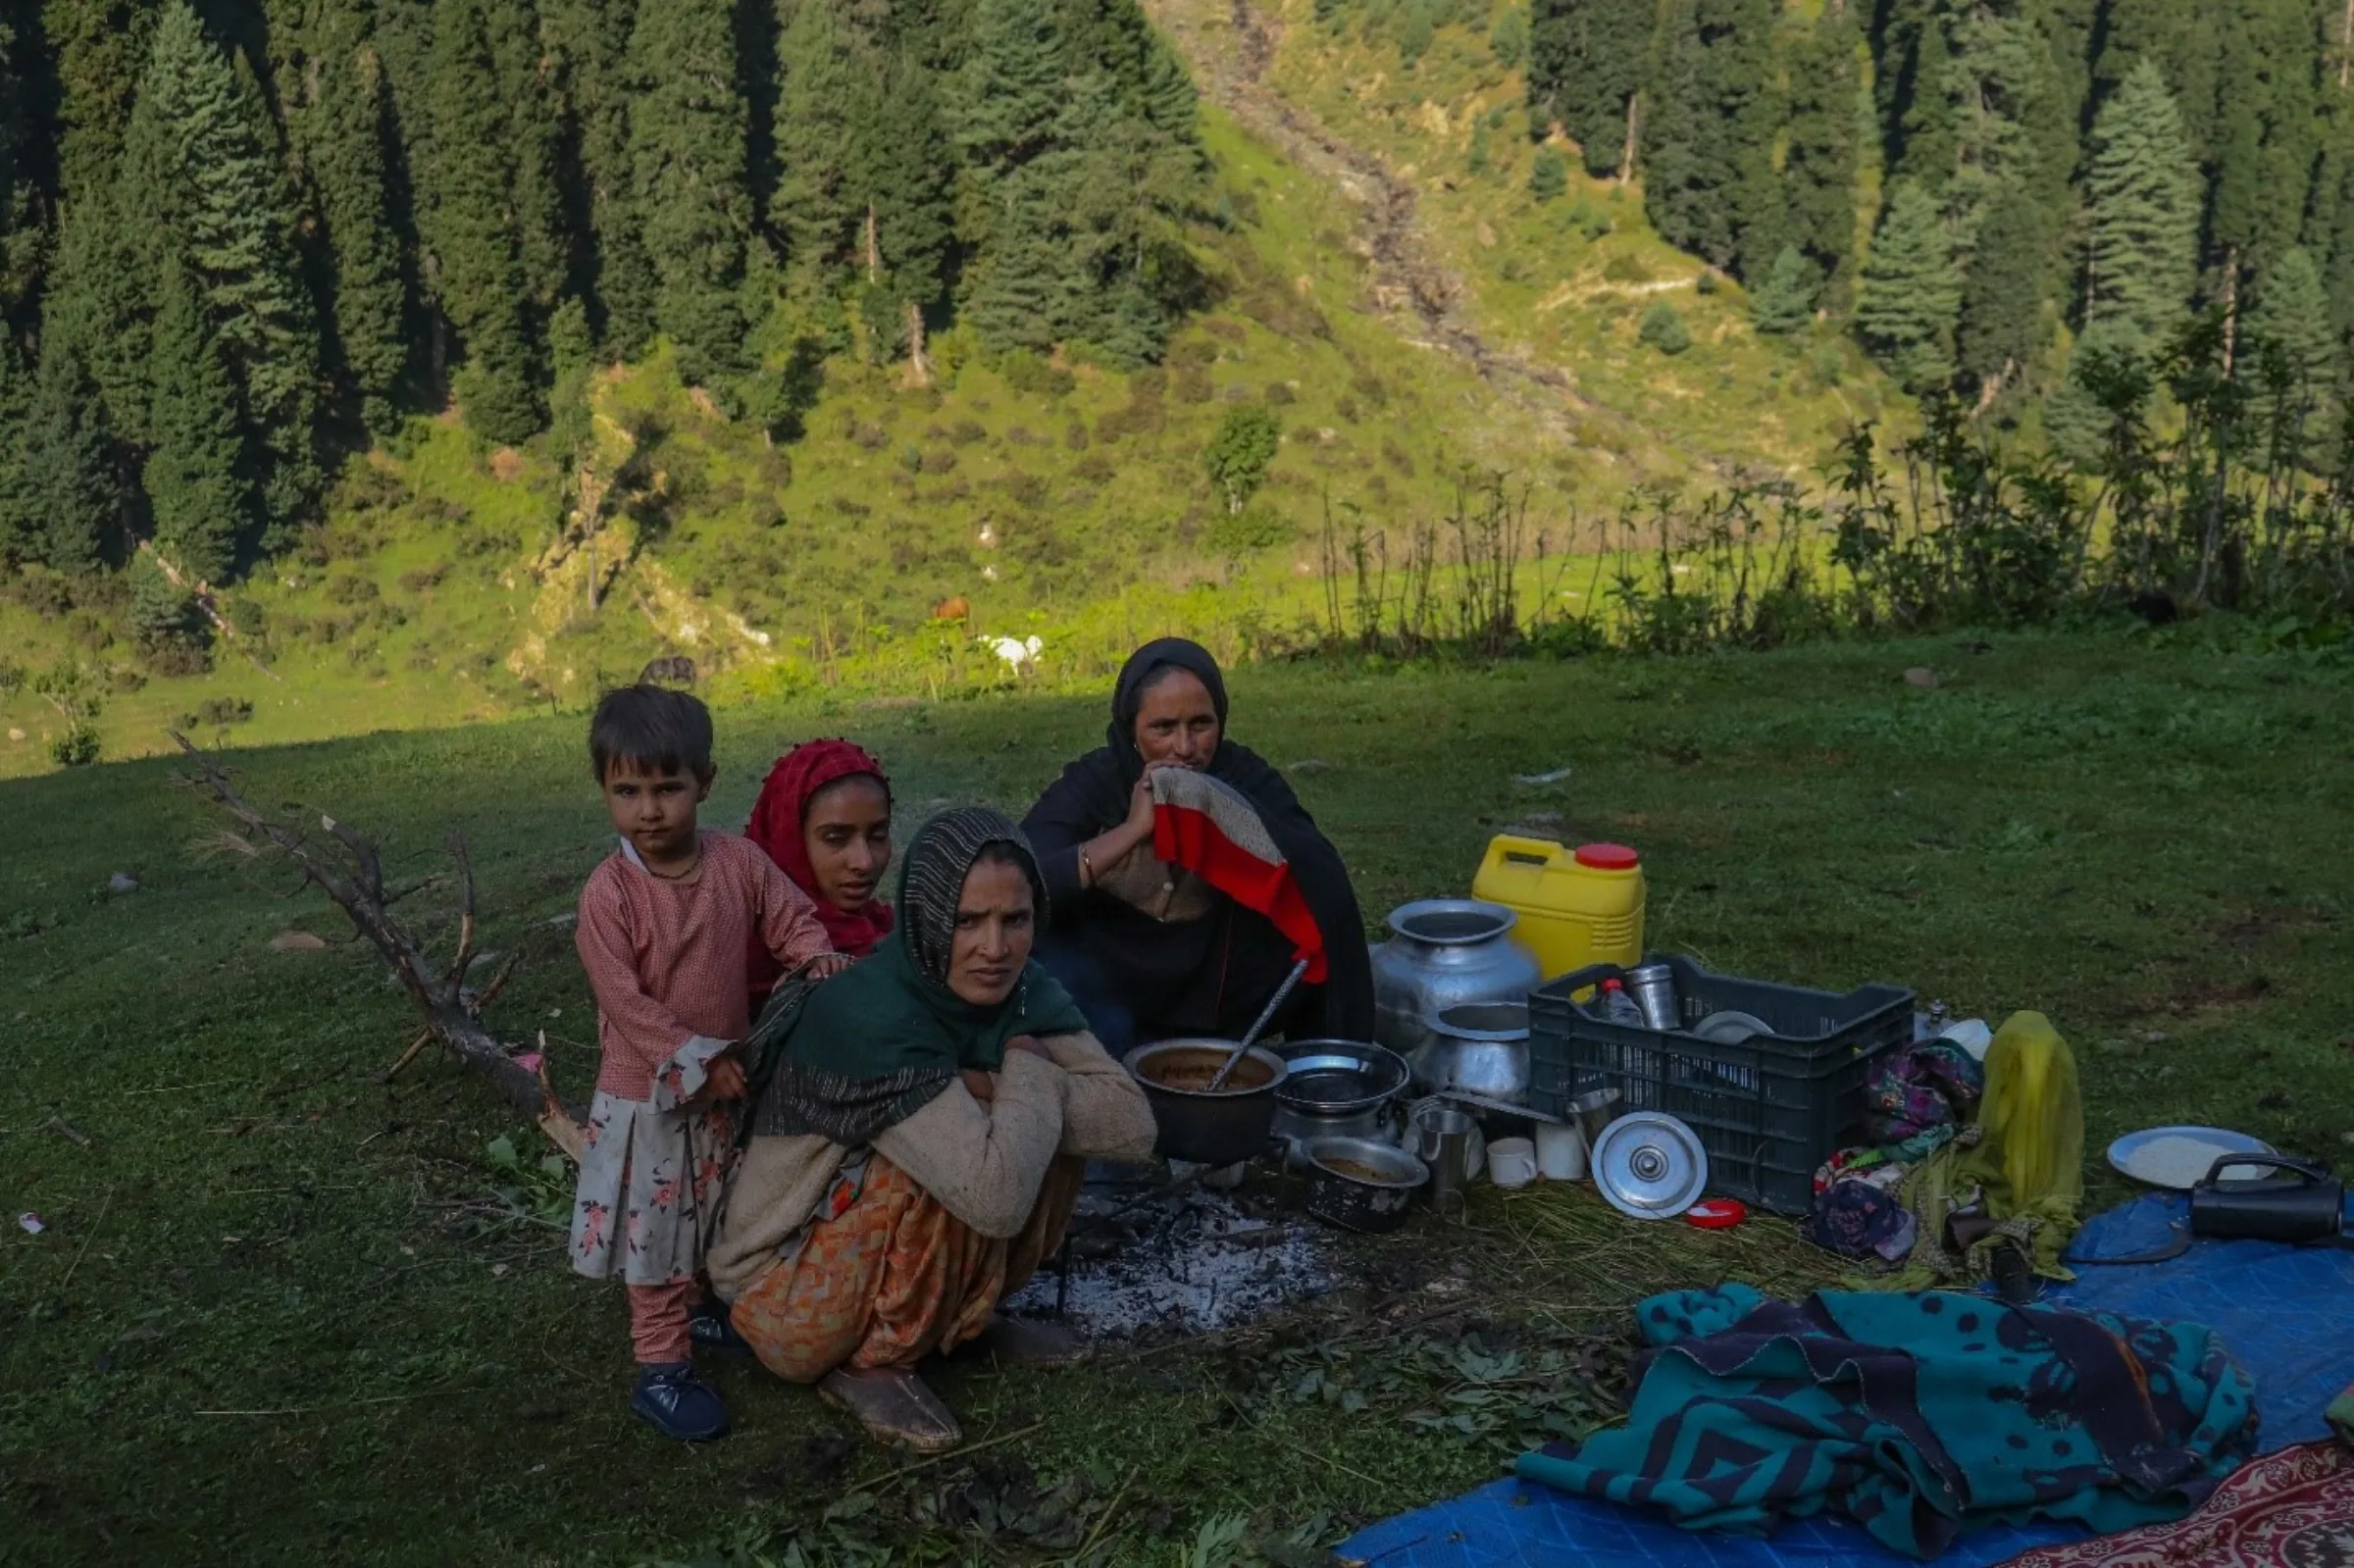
<point>1561,1152</point>
<point>1512,1161</point>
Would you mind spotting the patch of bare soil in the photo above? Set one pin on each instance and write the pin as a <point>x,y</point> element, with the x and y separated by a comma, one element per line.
<point>1408,281</point>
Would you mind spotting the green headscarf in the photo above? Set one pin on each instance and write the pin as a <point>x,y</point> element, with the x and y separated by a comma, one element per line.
<point>876,1043</point>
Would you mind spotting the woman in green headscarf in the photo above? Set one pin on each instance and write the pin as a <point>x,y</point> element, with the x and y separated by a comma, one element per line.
<point>922,1143</point>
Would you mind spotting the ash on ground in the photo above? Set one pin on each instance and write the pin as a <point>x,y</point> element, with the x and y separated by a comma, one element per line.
<point>1186,1261</point>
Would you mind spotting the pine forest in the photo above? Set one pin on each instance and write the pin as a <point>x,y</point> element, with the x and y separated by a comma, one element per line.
<point>251,249</point>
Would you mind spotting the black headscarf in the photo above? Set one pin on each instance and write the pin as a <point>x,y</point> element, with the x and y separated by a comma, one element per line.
<point>1193,967</point>
<point>876,1043</point>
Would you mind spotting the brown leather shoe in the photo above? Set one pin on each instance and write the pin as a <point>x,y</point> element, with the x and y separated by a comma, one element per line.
<point>894,1408</point>
<point>1028,1344</point>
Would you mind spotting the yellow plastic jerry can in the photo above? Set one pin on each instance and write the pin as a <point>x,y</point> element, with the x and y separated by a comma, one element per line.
<point>1576,906</point>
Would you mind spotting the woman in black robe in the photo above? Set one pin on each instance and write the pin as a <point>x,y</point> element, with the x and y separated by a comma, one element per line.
<point>1151,951</point>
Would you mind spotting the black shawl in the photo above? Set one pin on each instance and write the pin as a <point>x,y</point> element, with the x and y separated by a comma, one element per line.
<point>1209,976</point>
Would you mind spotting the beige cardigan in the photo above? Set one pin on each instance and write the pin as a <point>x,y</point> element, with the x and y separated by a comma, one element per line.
<point>984,1163</point>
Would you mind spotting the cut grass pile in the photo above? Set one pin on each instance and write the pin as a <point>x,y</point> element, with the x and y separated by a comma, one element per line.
<point>281,1313</point>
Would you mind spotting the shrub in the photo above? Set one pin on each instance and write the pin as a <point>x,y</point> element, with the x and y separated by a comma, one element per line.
<point>1706,284</point>
<point>1508,38</point>
<point>77,747</point>
<point>1237,455</point>
<point>912,458</point>
<point>1034,376</point>
<point>842,504</point>
<point>1254,527</point>
<point>218,713</point>
<point>1549,177</point>
<point>423,579</point>
<point>869,437</point>
<point>964,433</point>
<point>1625,268</point>
<point>1280,393</point>
<point>349,588</point>
<point>943,461</point>
<point>1074,436</point>
<point>1664,329</point>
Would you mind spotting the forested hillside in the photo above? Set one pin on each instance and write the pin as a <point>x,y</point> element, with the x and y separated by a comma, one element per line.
<point>1974,184</point>
<point>240,240</point>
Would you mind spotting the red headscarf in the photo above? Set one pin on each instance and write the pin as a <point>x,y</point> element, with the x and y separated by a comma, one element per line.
<point>775,826</point>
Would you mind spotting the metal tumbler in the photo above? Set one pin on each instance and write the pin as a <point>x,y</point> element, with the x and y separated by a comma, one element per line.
<point>1653,987</point>
<point>1443,1141</point>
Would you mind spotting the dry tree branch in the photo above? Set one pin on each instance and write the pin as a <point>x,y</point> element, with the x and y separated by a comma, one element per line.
<point>352,872</point>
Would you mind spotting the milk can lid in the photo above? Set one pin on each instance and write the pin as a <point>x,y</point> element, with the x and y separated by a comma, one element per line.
<point>1607,857</point>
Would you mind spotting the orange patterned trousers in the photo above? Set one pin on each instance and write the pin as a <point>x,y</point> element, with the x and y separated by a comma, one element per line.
<point>895,1278</point>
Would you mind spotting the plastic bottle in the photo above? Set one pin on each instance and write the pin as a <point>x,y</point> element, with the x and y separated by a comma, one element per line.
<point>1621,1008</point>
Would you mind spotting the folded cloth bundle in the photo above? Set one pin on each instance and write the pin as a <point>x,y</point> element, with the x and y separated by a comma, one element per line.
<point>1915,1416</point>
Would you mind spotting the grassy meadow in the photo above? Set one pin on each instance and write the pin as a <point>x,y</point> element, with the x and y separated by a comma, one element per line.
<point>284,1313</point>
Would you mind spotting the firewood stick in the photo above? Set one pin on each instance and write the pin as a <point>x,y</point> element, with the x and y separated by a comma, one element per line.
<point>410,1055</point>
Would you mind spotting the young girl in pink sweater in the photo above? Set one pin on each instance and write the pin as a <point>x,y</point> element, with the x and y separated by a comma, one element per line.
<point>667,924</point>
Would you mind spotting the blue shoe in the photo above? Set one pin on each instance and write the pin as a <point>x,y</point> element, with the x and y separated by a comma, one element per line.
<point>679,1403</point>
<point>708,1325</point>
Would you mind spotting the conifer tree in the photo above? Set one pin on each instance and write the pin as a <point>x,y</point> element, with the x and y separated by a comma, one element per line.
<point>535,139</point>
<point>1820,159</point>
<point>98,281</point>
<point>687,148</point>
<point>2266,137</point>
<point>2004,293</point>
<point>475,268</point>
<point>1585,66</point>
<point>70,452</point>
<point>826,80</point>
<point>202,172</point>
<point>1785,301</point>
<point>591,38</point>
<point>1911,292</point>
<point>98,47</point>
<point>19,223</point>
<point>900,175</point>
<point>340,127</point>
<point>192,474</point>
<point>1709,185</point>
<point>2291,312</point>
<point>2143,202</point>
<point>19,506</point>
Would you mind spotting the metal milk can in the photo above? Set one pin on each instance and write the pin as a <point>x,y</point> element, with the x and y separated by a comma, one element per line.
<point>1443,953</point>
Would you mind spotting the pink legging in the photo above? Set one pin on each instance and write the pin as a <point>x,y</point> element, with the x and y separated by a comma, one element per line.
<point>658,1320</point>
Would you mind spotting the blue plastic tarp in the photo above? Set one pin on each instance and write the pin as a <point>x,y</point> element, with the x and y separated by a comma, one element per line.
<point>2284,1312</point>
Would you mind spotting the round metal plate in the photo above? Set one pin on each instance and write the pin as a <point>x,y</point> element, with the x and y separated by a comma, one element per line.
<point>2124,1154</point>
<point>1649,1166</point>
<point>1730,1028</point>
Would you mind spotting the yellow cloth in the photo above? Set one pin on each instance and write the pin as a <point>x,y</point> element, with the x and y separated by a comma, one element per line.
<point>2025,1158</point>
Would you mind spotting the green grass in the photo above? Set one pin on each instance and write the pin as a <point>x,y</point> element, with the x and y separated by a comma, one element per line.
<point>1566,282</point>
<point>2146,841</point>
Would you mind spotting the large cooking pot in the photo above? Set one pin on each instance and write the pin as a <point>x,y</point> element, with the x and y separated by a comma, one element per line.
<point>1335,1089</point>
<point>1442,953</point>
<point>1478,1047</point>
<point>1208,1129</point>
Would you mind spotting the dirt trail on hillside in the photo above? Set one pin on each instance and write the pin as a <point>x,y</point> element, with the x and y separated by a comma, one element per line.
<point>1409,284</point>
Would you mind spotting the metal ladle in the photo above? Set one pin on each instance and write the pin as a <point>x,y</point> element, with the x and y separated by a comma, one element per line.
<point>1251,1035</point>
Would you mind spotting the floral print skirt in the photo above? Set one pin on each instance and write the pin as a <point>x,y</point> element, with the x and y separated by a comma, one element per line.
<point>650,1188</point>
<point>888,1276</point>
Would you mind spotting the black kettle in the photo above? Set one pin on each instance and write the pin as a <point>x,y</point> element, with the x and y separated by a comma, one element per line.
<point>2301,1202</point>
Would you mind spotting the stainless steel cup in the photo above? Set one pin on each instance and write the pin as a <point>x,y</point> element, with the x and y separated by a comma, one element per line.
<point>1653,987</point>
<point>1595,1110</point>
<point>1443,1141</point>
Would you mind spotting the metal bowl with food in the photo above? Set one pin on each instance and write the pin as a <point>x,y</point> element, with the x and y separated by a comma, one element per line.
<point>1360,1184</point>
<point>1234,1124</point>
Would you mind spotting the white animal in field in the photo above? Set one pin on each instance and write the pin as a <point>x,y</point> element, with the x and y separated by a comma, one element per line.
<point>1019,653</point>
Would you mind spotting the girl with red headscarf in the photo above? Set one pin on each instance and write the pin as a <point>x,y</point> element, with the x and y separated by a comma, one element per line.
<point>824,816</point>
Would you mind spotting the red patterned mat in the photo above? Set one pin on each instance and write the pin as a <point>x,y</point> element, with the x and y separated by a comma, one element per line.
<point>2290,1509</point>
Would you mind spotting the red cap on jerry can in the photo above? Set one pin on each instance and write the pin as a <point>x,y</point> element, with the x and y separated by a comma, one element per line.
<point>1607,857</point>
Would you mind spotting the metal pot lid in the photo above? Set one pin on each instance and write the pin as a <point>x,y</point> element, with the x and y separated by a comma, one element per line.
<point>1731,1028</point>
<point>1649,1166</point>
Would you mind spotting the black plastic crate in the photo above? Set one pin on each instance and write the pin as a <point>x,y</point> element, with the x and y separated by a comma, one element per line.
<point>1769,1111</point>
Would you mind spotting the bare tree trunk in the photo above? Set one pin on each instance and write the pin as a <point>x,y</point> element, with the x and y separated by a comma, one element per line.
<point>1634,131</point>
<point>2231,305</point>
<point>919,363</point>
<point>202,593</point>
<point>874,247</point>
<point>350,871</point>
<point>2345,46</point>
